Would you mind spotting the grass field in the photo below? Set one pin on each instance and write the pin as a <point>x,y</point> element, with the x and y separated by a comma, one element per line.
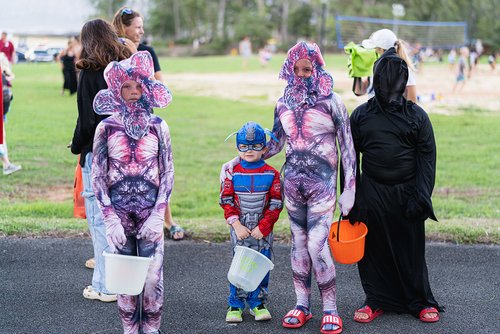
<point>37,201</point>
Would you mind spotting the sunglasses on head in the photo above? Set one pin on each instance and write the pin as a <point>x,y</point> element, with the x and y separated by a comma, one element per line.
<point>127,11</point>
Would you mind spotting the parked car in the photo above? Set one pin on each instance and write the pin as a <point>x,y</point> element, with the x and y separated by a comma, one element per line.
<point>41,55</point>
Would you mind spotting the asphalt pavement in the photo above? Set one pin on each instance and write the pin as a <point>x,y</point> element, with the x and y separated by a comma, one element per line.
<point>41,284</point>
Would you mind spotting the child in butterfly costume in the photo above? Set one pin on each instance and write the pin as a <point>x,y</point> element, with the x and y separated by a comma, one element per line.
<point>132,177</point>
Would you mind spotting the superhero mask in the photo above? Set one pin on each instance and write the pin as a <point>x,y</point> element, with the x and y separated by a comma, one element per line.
<point>251,136</point>
<point>305,90</point>
<point>136,115</point>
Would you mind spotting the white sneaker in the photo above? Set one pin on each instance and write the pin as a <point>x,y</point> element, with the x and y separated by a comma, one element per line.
<point>11,169</point>
<point>90,293</point>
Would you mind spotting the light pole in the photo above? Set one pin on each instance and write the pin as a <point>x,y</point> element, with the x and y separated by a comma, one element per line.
<point>398,10</point>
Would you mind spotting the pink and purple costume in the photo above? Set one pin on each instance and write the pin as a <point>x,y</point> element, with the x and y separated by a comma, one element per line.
<point>132,176</point>
<point>310,119</point>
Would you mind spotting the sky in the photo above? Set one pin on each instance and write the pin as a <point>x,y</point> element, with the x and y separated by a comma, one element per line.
<point>44,16</point>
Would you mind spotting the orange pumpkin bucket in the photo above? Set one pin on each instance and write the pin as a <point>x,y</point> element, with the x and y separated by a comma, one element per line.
<point>347,242</point>
<point>78,201</point>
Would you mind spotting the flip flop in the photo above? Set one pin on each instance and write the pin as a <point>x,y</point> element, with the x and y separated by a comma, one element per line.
<point>90,263</point>
<point>330,319</point>
<point>427,310</point>
<point>176,229</point>
<point>297,314</point>
<point>369,312</point>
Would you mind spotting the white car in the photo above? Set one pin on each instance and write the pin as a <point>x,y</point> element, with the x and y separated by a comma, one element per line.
<point>41,55</point>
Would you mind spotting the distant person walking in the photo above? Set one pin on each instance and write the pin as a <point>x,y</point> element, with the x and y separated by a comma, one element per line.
<point>7,47</point>
<point>129,25</point>
<point>100,46</point>
<point>462,67</point>
<point>67,58</point>
<point>245,50</point>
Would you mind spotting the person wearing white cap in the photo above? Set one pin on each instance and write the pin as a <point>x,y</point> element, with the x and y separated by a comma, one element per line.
<point>382,40</point>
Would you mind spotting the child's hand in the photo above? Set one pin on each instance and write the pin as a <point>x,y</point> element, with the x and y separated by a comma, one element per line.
<point>242,232</point>
<point>115,234</point>
<point>152,229</point>
<point>226,171</point>
<point>257,234</point>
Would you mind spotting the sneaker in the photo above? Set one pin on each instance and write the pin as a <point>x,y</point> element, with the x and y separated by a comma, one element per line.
<point>234,314</point>
<point>11,169</point>
<point>261,313</point>
<point>90,293</point>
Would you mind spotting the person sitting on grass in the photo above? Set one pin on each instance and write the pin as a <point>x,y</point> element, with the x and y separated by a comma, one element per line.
<point>252,202</point>
<point>132,176</point>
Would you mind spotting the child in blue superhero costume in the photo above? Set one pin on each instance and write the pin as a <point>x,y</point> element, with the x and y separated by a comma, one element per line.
<point>252,202</point>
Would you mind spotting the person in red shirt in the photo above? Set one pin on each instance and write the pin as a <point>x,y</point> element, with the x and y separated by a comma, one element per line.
<point>252,202</point>
<point>7,47</point>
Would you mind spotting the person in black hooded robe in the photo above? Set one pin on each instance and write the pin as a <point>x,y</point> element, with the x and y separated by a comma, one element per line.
<point>396,141</point>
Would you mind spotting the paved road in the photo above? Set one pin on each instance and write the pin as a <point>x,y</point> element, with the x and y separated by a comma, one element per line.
<point>41,281</point>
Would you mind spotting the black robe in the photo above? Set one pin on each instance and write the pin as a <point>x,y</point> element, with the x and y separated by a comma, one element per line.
<point>393,191</point>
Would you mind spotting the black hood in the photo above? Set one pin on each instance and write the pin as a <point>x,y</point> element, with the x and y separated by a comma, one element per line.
<point>390,75</point>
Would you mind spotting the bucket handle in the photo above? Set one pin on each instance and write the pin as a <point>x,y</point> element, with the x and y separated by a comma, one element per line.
<point>338,226</point>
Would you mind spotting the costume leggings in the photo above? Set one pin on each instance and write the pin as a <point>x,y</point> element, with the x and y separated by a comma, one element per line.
<point>152,300</point>
<point>310,208</point>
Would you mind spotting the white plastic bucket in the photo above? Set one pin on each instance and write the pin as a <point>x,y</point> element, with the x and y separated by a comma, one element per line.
<point>125,274</point>
<point>248,268</point>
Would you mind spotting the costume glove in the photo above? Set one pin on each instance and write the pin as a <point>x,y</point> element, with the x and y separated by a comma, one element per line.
<point>346,201</point>
<point>415,209</point>
<point>115,234</point>
<point>152,229</point>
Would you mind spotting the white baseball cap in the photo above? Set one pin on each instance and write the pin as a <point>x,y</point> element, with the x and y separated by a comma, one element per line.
<point>384,39</point>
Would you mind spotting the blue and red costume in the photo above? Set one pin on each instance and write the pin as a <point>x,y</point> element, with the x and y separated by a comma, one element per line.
<point>253,196</point>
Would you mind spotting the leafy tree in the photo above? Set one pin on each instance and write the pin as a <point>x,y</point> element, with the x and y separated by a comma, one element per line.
<point>299,21</point>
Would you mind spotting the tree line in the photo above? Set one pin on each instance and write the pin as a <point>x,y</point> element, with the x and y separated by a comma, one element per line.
<point>219,24</point>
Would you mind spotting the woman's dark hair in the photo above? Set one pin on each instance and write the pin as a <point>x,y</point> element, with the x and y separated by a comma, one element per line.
<point>123,18</point>
<point>100,46</point>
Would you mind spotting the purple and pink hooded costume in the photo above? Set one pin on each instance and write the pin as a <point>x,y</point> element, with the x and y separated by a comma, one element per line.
<point>311,119</point>
<point>132,177</point>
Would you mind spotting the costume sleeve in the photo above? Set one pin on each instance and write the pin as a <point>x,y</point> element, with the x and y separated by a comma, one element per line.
<point>100,176</point>
<point>346,145</point>
<point>274,207</point>
<point>166,173</point>
<point>86,116</point>
<point>426,163</point>
<point>227,201</point>
<point>278,131</point>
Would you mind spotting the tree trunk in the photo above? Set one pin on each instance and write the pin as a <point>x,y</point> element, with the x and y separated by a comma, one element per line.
<point>177,20</point>
<point>261,7</point>
<point>221,13</point>
<point>284,21</point>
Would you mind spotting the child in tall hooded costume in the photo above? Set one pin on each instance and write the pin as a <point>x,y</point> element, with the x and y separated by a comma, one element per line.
<point>393,195</point>
<point>132,176</point>
<point>310,119</point>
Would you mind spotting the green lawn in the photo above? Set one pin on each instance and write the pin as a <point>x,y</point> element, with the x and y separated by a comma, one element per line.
<point>37,200</point>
